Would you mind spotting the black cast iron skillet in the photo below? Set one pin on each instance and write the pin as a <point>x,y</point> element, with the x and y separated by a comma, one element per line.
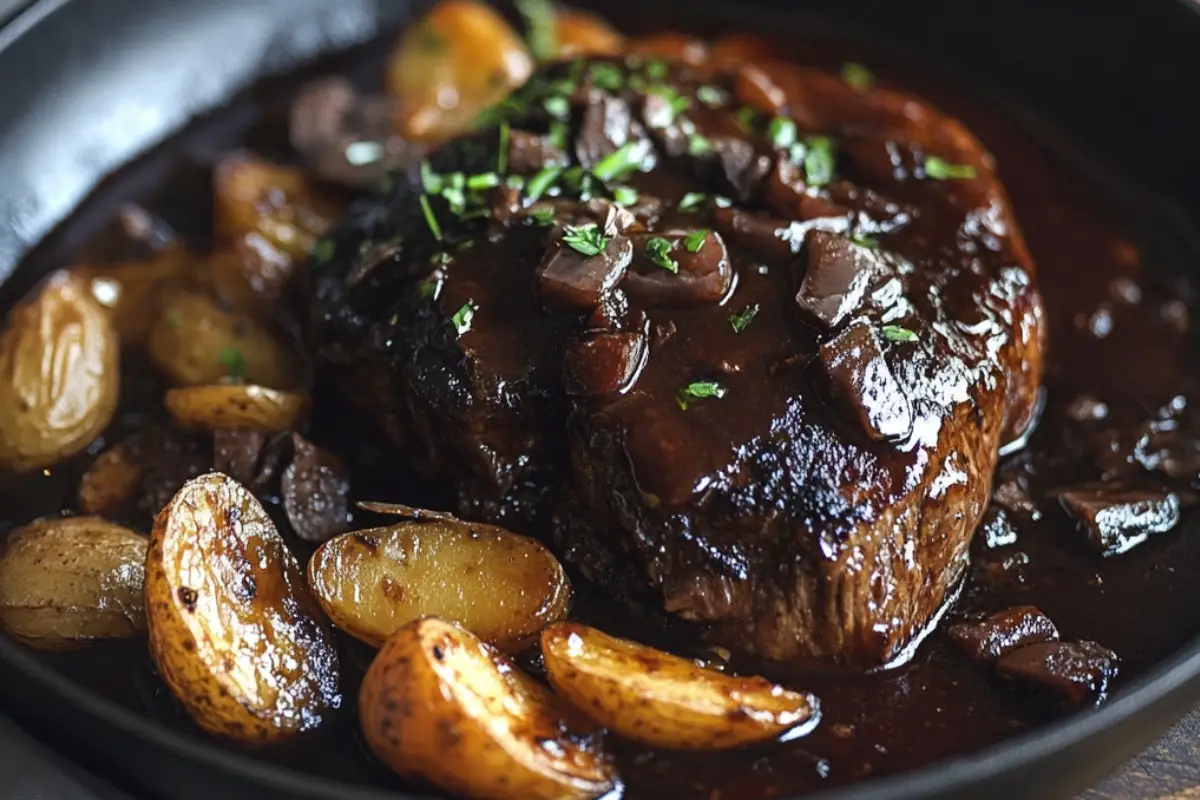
<point>87,85</point>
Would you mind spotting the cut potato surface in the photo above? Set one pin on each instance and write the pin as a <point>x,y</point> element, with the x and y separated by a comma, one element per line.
<point>237,407</point>
<point>233,628</point>
<point>660,700</point>
<point>503,587</point>
<point>68,581</point>
<point>439,704</point>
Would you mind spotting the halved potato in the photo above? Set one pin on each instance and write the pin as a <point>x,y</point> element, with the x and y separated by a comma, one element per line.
<point>234,630</point>
<point>439,704</point>
<point>659,700</point>
<point>59,375</point>
<point>234,406</point>
<point>503,587</point>
<point>69,581</point>
<point>459,59</point>
<point>109,484</point>
<point>581,33</point>
<point>129,289</point>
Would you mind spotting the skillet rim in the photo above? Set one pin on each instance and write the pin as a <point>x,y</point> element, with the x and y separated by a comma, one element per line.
<point>1173,679</point>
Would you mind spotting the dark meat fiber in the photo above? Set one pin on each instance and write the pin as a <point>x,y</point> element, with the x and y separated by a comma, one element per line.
<point>752,370</point>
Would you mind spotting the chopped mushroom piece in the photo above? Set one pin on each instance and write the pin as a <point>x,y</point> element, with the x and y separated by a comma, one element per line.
<point>836,275</point>
<point>573,279</point>
<point>603,363</point>
<point>674,276</point>
<point>860,379</point>
<point>989,638</point>
<point>1118,519</point>
<point>1074,671</point>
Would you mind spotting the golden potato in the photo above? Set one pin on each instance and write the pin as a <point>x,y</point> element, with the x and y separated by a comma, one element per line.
<point>59,375</point>
<point>670,46</point>
<point>69,581</point>
<point>504,588</point>
<point>234,630</point>
<point>277,202</point>
<point>110,482</point>
<point>439,704</point>
<point>128,290</point>
<point>251,274</point>
<point>237,407</point>
<point>659,700</point>
<point>582,33</point>
<point>195,342</point>
<point>459,59</point>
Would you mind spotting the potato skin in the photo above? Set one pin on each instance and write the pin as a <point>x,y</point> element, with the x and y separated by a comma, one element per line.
<point>110,482</point>
<point>237,407</point>
<point>502,587</point>
<point>69,581</point>
<point>660,700</point>
<point>439,704</point>
<point>59,375</point>
<point>234,631</point>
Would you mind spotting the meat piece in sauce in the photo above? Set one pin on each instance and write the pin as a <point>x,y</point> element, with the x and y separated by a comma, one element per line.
<point>992,636</point>
<point>1117,519</point>
<point>315,490</point>
<point>768,504</point>
<point>1074,672</point>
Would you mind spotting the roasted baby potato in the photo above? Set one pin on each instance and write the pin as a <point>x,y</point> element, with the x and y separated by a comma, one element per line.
<point>59,377</point>
<point>503,587</point>
<point>659,700</point>
<point>279,203</point>
<point>439,704</point>
<point>69,581</point>
<point>110,482</point>
<point>233,628</point>
<point>458,60</point>
<point>582,33</point>
<point>232,406</point>
<point>251,275</point>
<point>127,291</point>
<point>194,342</point>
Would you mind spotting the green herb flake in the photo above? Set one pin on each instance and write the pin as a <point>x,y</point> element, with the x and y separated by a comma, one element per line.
<point>692,201</point>
<point>865,241</point>
<point>558,107</point>
<point>941,170</point>
<point>541,182</point>
<point>515,182</point>
<point>502,152</point>
<point>606,76</point>
<point>741,320</point>
<point>819,161</point>
<point>431,182</point>
<point>558,134</point>
<point>699,145</point>
<point>543,216</point>
<point>625,195</point>
<point>695,240</point>
<point>483,181</point>
<point>673,105</point>
<point>656,69</point>
<point>721,201</point>
<point>858,77</point>
<point>618,163</point>
<point>659,251</point>
<point>711,96</point>
<point>430,219</point>
<point>232,361</point>
<point>463,317</point>
<point>587,239</point>
<point>700,390</point>
<point>322,251</point>
<point>456,199</point>
<point>747,118</point>
<point>782,132</point>
<point>539,27</point>
<point>894,333</point>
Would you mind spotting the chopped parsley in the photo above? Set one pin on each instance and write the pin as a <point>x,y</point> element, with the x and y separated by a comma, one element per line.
<point>699,145</point>
<point>747,118</point>
<point>430,219</point>
<point>695,240</point>
<point>700,390</point>
<point>541,181</point>
<point>431,182</point>
<point>858,77</point>
<point>486,180</point>
<point>231,360</point>
<point>606,76</point>
<point>502,153</point>
<point>557,135</point>
<point>557,106</point>
<point>587,239</point>
<point>463,317</point>
<point>819,161</point>
<point>625,195</point>
<point>865,241</point>
<point>539,27</point>
<point>659,251</point>
<point>455,198</point>
<point>543,216</point>
<point>942,170</point>
<point>692,201</point>
<point>673,105</point>
<point>782,132</point>
<point>322,251</point>
<point>711,96</point>
<point>894,333</point>
<point>618,163</point>
<point>515,182</point>
<point>656,69</point>
<point>741,320</point>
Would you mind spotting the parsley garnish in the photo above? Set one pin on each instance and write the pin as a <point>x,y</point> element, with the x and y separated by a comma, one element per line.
<point>942,170</point>
<point>430,219</point>
<point>558,107</point>
<point>673,104</point>
<point>462,318</point>
<point>322,251</point>
<point>741,320</point>
<point>431,182</point>
<point>699,145</point>
<point>865,241</point>
<point>454,197</point>
<point>747,118</point>
<point>486,180</point>
<point>857,76</point>
<point>587,239</point>
<point>617,163</point>
<point>782,132</point>
<point>539,25</point>
<point>542,180</point>
<point>606,76</point>
<point>894,333</point>
<point>695,240</point>
<point>515,182</point>
<point>700,390</point>
<point>625,195</point>
<point>711,96</point>
<point>659,251</point>
<point>502,153</point>
<point>656,69</point>
<point>543,216</point>
<point>819,161</point>
<point>557,135</point>
<point>691,201</point>
<point>231,360</point>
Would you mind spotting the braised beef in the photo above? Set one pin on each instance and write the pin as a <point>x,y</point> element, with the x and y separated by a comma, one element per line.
<point>1075,672</point>
<point>862,386</point>
<point>995,635</point>
<point>1117,519</point>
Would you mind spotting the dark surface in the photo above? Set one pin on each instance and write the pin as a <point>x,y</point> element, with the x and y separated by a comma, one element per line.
<point>1063,756</point>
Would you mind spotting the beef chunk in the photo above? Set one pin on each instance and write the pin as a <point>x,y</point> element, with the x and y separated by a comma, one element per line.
<point>315,489</point>
<point>794,512</point>
<point>1075,672</point>
<point>1118,519</point>
<point>989,638</point>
